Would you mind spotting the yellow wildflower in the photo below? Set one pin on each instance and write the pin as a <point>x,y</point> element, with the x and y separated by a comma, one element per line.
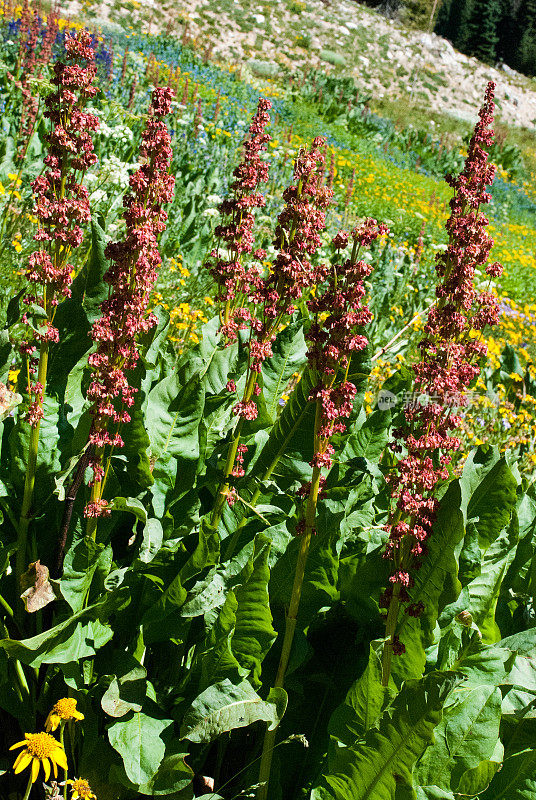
<point>64,709</point>
<point>39,749</point>
<point>81,790</point>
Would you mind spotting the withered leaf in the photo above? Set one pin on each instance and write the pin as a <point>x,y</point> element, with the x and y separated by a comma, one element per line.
<point>8,401</point>
<point>37,591</point>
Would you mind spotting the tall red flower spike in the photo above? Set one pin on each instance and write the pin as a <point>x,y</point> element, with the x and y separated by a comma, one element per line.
<point>61,203</point>
<point>450,351</point>
<point>135,262</point>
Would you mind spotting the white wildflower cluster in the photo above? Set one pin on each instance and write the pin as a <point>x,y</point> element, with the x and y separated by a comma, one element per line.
<point>116,133</point>
<point>115,171</point>
<point>213,200</point>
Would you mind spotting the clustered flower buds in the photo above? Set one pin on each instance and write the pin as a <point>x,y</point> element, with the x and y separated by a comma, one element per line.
<point>62,204</point>
<point>239,283</point>
<point>297,234</point>
<point>449,362</point>
<point>339,314</point>
<point>135,262</point>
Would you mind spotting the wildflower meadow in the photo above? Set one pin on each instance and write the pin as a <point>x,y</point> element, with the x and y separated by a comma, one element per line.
<point>267,426</point>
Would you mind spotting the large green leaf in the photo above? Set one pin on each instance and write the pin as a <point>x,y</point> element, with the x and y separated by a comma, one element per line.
<point>138,740</point>
<point>516,780</point>
<point>466,735</point>
<point>292,431</point>
<point>82,560</point>
<point>224,707</point>
<point>363,703</point>
<point>211,361</point>
<point>215,659</point>
<point>437,572</point>
<point>320,579</point>
<point>488,493</point>
<point>372,768</point>
<point>160,619</point>
<point>69,641</point>
<point>370,439</point>
<point>254,634</point>
<point>48,455</point>
<point>480,596</point>
<point>289,357</point>
<point>173,414</point>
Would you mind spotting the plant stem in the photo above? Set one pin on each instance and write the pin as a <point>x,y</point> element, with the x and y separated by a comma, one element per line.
<point>29,482</point>
<point>62,729</point>
<point>390,628</point>
<point>28,787</point>
<point>292,615</point>
<point>223,490</point>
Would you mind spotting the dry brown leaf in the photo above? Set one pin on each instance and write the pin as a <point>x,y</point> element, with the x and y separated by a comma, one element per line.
<point>37,591</point>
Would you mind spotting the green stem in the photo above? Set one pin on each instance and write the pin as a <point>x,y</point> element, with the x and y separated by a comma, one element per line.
<point>22,688</point>
<point>28,787</point>
<point>292,616</point>
<point>29,481</point>
<point>390,628</point>
<point>5,605</point>
<point>223,490</point>
<point>231,547</point>
<point>62,729</point>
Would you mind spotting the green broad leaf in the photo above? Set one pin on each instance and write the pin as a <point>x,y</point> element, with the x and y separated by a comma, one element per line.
<point>153,535</point>
<point>364,702</point>
<point>64,478</point>
<point>206,552</point>
<point>224,707</point>
<point>76,314</point>
<point>291,432</point>
<point>370,439</point>
<point>372,768</point>
<point>138,740</point>
<point>432,793</point>
<point>521,572</point>
<point>215,660</point>
<point>173,776</point>
<point>321,569</point>
<point>164,613</point>
<point>480,596</point>
<point>289,357</point>
<point>482,664</point>
<point>488,493</point>
<point>68,641</point>
<point>173,416</point>
<point>82,560</point>
<point>206,595</point>
<point>48,455</point>
<point>126,693</point>
<point>476,780</point>
<point>254,633</point>
<point>466,736</point>
<point>213,363</point>
<point>516,780</point>
<point>438,570</point>
<point>136,445</point>
<point>89,287</point>
<point>132,505</point>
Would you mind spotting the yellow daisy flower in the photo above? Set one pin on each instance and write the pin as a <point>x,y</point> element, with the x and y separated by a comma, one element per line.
<point>64,709</point>
<point>39,749</point>
<point>81,790</point>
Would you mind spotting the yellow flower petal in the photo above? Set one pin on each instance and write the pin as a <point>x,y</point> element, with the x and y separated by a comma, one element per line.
<point>46,767</point>
<point>35,769</point>
<point>60,758</point>
<point>19,744</point>
<point>23,759</point>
